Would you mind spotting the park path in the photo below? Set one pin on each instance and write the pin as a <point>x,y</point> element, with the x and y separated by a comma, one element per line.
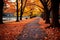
<point>32,31</point>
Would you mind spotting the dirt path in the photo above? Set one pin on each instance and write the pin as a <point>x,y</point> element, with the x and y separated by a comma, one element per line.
<point>32,31</point>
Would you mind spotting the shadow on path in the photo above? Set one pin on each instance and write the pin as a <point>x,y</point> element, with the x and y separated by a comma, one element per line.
<point>32,31</point>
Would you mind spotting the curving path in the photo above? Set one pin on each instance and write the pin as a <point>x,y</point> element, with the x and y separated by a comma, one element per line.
<point>32,31</point>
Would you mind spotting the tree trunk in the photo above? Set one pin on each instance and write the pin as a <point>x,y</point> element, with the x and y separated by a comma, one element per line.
<point>22,8</point>
<point>21,14</point>
<point>55,13</point>
<point>47,17</point>
<point>47,14</point>
<point>1,11</point>
<point>46,10</point>
<point>17,11</point>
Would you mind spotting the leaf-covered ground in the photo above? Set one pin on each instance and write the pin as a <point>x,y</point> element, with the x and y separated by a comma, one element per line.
<point>30,29</point>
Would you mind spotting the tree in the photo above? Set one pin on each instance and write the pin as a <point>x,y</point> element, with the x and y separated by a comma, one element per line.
<point>1,11</point>
<point>33,7</point>
<point>23,5</point>
<point>17,11</point>
<point>47,9</point>
<point>55,13</point>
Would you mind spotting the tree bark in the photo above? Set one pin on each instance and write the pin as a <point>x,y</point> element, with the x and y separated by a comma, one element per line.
<point>55,13</point>
<point>1,11</point>
<point>21,13</point>
<point>17,11</point>
<point>22,8</point>
<point>47,16</point>
<point>46,11</point>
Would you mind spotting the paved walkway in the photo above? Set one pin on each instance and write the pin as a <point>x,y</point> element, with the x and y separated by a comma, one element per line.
<point>32,31</point>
